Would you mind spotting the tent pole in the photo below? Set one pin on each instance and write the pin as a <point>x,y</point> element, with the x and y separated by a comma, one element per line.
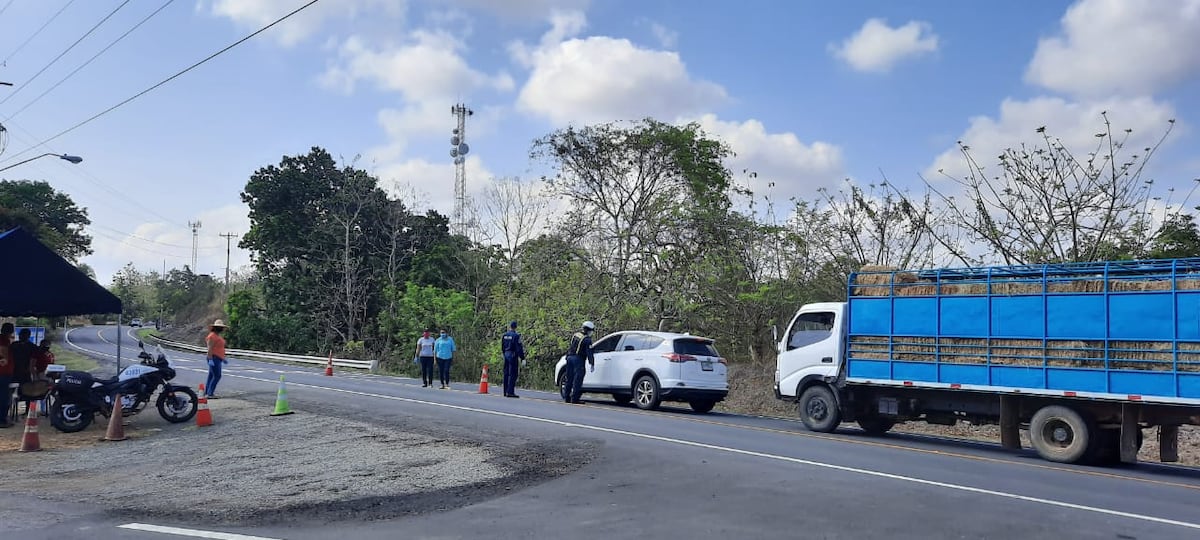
<point>119,317</point>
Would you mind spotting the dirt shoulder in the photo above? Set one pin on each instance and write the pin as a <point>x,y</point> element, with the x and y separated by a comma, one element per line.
<point>254,468</point>
<point>751,391</point>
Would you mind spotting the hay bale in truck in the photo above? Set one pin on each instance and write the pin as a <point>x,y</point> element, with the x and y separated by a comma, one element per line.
<point>1086,355</point>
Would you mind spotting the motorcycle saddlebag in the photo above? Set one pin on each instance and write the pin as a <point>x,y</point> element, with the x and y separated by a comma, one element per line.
<point>75,382</point>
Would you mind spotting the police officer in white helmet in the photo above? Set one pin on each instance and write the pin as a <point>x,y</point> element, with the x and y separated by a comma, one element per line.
<point>579,349</point>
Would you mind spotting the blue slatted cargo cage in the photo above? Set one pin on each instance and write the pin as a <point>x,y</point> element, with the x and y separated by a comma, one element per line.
<point>1127,330</point>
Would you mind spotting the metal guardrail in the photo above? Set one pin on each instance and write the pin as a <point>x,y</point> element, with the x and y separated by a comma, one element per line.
<point>339,362</point>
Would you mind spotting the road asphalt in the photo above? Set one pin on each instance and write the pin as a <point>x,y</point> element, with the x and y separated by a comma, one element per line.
<point>672,473</point>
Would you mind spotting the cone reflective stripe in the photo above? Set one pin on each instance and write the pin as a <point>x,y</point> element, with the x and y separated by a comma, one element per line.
<point>116,430</point>
<point>203,415</point>
<point>329,366</point>
<point>483,381</point>
<point>30,441</point>
<point>281,402</point>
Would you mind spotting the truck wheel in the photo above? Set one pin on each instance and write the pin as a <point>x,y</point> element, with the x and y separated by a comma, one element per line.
<point>875,425</point>
<point>1060,434</point>
<point>819,409</point>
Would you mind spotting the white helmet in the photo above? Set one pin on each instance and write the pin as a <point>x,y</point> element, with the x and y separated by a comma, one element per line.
<point>589,325</point>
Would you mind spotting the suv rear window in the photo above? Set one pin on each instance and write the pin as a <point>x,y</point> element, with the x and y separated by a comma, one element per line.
<point>695,347</point>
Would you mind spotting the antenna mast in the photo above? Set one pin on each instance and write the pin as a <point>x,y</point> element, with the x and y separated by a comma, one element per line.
<point>458,151</point>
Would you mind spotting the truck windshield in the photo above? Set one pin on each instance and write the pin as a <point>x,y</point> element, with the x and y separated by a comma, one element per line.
<point>810,328</point>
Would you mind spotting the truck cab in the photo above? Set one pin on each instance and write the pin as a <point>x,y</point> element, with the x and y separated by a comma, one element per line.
<point>810,350</point>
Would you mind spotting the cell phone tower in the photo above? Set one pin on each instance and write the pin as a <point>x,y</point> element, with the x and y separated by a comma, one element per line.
<point>458,151</point>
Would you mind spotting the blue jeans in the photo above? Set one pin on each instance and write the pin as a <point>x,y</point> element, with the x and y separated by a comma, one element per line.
<point>511,365</point>
<point>427,370</point>
<point>214,375</point>
<point>575,373</point>
<point>444,370</point>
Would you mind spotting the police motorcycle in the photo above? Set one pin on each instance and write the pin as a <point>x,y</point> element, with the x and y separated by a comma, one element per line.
<point>78,396</point>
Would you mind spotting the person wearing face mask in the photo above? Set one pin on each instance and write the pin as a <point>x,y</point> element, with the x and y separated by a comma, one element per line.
<point>443,349</point>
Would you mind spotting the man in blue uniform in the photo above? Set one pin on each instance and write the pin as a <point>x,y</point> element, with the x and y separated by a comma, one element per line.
<point>514,353</point>
<point>579,349</point>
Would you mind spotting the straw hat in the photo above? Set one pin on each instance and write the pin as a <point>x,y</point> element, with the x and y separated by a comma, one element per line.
<point>217,324</point>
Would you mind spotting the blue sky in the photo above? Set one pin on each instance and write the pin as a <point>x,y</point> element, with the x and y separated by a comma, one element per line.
<point>807,93</point>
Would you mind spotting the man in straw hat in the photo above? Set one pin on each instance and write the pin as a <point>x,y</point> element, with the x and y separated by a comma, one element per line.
<point>216,357</point>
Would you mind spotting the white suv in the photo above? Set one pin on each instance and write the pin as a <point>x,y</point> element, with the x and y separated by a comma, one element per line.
<point>650,367</point>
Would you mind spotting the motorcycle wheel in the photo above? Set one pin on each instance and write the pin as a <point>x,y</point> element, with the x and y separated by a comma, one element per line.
<point>67,418</point>
<point>177,406</point>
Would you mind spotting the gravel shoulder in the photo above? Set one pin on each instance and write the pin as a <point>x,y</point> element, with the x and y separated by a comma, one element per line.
<point>251,468</point>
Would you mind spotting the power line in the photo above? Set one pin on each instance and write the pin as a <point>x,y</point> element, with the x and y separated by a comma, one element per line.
<point>85,174</point>
<point>61,54</point>
<point>89,61</point>
<point>144,239</point>
<point>168,79</point>
<point>35,34</point>
<point>5,8</point>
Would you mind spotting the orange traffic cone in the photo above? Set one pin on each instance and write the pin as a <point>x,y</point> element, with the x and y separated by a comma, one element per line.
<point>203,415</point>
<point>116,430</point>
<point>483,382</point>
<point>30,441</point>
<point>329,366</point>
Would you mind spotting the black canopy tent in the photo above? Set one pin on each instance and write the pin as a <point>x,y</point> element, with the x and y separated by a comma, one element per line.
<point>39,283</point>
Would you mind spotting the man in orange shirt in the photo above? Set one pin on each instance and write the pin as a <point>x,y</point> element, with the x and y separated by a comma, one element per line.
<point>216,357</point>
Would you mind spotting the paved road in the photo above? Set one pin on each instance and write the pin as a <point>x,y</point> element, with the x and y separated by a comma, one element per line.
<point>677,474</point>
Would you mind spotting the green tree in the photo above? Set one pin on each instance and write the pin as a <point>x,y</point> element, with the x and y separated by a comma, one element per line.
<point>1177,237</point>
<point>48,214</point>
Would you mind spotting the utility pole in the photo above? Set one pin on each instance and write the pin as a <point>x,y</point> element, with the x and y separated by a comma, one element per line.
<point>195,225</point>
<point>228,240</point>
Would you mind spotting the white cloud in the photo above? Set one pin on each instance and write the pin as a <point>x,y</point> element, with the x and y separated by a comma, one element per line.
<point>1119,47</point>
<point>428,66</point>
<point>433,182</point>
<point>666,37</point>
<point>797,169</point>
<point>1075,124</point>
<point>598,79</point>
<point>150,243</point>
<point>258,13</point>
<point>876,47</point>
<point>523,9</point>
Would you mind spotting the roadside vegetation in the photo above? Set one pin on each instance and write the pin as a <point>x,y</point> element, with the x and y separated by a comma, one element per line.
<point>638,225</point>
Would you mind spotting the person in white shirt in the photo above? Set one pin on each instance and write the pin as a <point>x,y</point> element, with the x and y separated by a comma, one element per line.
<point>425,356</point>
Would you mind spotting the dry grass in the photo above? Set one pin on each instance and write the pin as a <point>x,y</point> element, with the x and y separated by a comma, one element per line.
<point>752,392</point>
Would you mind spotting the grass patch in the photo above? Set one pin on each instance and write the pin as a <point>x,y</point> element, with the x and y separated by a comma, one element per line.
<point>75,361</point>
<point>146,334</point>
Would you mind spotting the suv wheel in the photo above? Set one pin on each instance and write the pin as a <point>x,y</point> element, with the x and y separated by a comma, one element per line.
<point>646,394</point>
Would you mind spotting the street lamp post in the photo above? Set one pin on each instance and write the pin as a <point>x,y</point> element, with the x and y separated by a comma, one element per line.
<point>66,157</point>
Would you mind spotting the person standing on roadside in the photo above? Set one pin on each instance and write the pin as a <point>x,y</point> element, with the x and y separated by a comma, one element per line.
<point>443,349</point>
<point>6,373</point>
<point>216,357</point>
<point>425,355</point>
<point>514,353</point>
<point>579,349</point>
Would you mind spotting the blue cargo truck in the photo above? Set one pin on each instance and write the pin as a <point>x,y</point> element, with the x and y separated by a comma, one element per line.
<point>1084,356</point>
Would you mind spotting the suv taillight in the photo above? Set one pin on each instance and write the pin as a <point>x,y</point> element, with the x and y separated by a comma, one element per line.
<point>679,358</point>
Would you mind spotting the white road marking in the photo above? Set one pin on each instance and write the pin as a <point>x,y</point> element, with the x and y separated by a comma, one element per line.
<point>775,457</point>
<point>189,532</point>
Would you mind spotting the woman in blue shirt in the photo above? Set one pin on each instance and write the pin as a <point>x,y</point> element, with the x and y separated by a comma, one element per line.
<point>444,349</point>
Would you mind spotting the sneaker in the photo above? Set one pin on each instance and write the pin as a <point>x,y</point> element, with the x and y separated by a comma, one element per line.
<point>512,395</point>
<point>423,385</point>
<point>214,397</point>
